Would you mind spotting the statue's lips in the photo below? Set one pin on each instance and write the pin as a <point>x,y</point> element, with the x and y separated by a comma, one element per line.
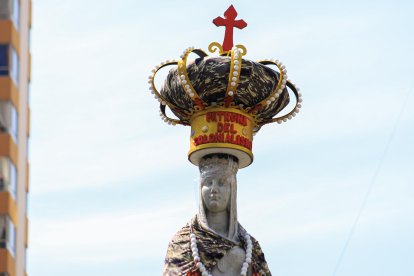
<point>214,198</point>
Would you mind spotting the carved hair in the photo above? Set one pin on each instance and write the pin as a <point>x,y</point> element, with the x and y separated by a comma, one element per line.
<point>208,161</point>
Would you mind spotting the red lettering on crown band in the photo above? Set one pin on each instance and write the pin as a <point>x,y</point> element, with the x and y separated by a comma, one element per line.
<point>224,116</point>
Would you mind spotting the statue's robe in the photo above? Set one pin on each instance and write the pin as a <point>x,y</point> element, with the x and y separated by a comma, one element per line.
<point>212,247</point>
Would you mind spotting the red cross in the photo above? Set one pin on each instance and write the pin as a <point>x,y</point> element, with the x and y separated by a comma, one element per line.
<point>230,14</point>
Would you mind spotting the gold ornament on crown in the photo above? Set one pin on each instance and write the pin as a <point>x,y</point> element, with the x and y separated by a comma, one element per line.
<point>224,126</point>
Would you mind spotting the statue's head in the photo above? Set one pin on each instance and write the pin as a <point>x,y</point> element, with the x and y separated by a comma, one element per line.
<point>218,189</point>
<point>218,173</point>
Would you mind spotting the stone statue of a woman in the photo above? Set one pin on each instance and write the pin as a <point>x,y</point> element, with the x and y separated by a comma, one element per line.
<point>213,242</point>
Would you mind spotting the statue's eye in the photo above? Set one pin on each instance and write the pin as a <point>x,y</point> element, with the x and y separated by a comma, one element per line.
<point>207,182</point>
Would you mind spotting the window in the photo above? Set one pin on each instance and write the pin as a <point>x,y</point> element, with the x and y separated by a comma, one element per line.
<point>29,89</point>
<point>4,59</point>
<point>8,176</point>
<point>9,119</point>
<point>13,123</point>
<point>27,204</point>
<point>7,234</point>
<point>5,9</point>
<point>25,259</point>
<point>30,38</point>
<point>10,9</point>
<point>9,62</point>
<point>14,66</point>
<point>27,147</point>
<point>10,237</point>
<point>13,180</point>
<point>15,14</point>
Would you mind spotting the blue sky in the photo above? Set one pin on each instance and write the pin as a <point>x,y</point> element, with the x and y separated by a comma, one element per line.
<point>111,184</point>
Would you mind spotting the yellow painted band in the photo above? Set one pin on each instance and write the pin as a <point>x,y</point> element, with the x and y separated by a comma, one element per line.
<point>219,127</point>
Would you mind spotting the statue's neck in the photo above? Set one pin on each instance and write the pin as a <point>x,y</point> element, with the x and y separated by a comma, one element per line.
<point>219,222</point>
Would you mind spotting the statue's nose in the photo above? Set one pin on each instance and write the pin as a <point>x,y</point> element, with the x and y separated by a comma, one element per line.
<point>214,186</point>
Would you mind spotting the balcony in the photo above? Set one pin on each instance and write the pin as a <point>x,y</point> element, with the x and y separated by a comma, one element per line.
<point>10,9</point>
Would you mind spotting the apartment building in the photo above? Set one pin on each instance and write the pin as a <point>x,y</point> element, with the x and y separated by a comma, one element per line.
<point>15,59</point>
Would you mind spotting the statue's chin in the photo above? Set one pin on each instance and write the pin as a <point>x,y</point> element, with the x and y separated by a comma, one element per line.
<point>215,206</point>
<point>216,209</point>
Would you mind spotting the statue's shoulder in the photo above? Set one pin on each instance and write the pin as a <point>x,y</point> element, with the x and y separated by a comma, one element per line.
<point>260,263</point>
<point>178,259</point>
<point>182,234</point>
<point>258,258</point>
<point>255,243</point>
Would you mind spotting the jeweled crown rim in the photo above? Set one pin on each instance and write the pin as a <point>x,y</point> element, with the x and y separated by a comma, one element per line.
<point>236,54</point>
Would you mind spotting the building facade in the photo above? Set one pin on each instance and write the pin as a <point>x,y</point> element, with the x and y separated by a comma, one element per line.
<point>15,60</point>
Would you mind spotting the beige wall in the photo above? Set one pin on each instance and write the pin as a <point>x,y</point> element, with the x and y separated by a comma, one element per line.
<point>22,137</point>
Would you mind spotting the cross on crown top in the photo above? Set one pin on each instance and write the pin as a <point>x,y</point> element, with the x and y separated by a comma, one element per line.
<point>230,23</point>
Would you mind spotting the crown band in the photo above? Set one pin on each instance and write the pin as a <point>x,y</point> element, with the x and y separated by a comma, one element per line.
<point>216,129</point>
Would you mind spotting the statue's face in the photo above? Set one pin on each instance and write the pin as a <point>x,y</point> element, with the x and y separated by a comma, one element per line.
<point>216,190</point>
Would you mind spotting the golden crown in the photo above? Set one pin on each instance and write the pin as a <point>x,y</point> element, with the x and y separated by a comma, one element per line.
<point>225,99</point>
